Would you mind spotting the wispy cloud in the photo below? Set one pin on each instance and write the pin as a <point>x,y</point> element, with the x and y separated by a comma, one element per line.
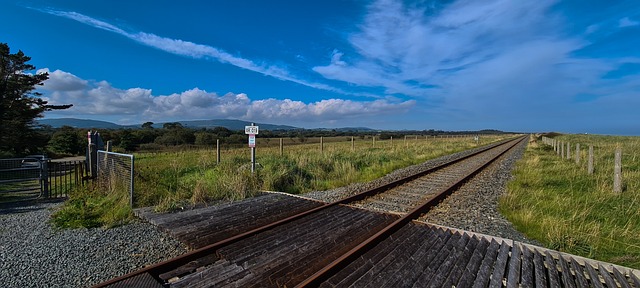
<point>627,22</point>
<point>197,51</point>
<point>136,105</point>
<point>480,59</point>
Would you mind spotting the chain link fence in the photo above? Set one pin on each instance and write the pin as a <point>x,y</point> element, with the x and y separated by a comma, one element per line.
<point>115,172</point>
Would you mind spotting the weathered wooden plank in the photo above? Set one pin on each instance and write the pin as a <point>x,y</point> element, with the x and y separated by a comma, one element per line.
<point>567,278</point>
<point>275,238</point>
<point>635,279</point>
<point>484,271</point>
<point>463,260</point>
<point>189,267</point>
<point>513,278</point>
<point>540,270</point>
<point>606,276</point>
<point>333,247</point>
<point>471,270</point>
<point>450,260</point>
<point>527,272</point>
<point>581,279</point>
<point>144,280</point>
<point>371,278</point>
<point>366,262</point>
<point>501,264</point>
<point>622,280</point>
<point>216,273</point>
<point>398,258</point>
<point>414,267</point>
<point>428,273</point>
<point>593,276</point>
<point>552,267</point>
<point>310,240</point>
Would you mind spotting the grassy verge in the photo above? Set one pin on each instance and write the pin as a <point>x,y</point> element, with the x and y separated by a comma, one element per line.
<point>556,202</point>
<point>170,180</point>
<point>90,207</point>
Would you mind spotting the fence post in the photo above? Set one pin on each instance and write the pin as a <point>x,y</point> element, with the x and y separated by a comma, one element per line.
<point>374,141</point>
<point>561,150</point>
<point>568,150</point>
<point>321,144</point>
<point>578,153</point>
<point>93,160</point>
<point>590,165</point>
<point>217,151</point>
<point>391,142</point>
<point>617,172</point>
<point>405,141</point>
<point>281,149</point>
<point>353,145</point>
<point>131,188</point>
<point>44,166</point>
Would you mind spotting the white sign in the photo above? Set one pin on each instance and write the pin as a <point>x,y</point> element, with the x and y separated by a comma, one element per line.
<point>251,130</point>
<point>252,140</point>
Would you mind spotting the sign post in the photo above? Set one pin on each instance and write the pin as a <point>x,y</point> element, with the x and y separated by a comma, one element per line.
<point>252,131</point>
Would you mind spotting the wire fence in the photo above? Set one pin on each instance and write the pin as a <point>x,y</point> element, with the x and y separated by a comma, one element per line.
<point>115,172</point>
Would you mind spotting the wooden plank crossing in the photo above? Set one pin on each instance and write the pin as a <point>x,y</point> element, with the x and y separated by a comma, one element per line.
<point>417,255</point>
<point>200,227</point>
<point>464,260</point>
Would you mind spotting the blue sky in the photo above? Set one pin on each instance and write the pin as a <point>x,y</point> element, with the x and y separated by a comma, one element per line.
<point>569,66</point>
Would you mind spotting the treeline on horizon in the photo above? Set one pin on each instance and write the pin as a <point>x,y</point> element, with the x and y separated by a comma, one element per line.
<point>69,141</point>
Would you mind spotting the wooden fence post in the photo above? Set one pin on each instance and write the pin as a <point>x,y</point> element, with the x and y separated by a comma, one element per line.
<point>617,172</point>
<point>321,144</point>
<point>281,148</point>
<point>590,164</point>
<point>353,145</point>
<point>405,141</point>
<point>218,151</point>
<point>391,142</point>
<point>568,150</point>
<point>578,153</point>
<point>561,150</point>
<point>374,141</point>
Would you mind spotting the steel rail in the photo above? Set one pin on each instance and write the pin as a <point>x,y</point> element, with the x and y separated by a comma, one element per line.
<point>171,264</point>
<point>329,270</point>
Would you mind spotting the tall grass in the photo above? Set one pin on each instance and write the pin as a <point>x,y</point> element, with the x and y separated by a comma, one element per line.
<point>556,202</point>
<point>171,180</point>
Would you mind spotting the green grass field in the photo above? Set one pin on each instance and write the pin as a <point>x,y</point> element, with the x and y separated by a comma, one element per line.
<point>556,201</point>
<point>170,180</point>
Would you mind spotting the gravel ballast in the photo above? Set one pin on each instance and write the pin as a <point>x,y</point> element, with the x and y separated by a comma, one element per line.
<point>474,207</point>
<point>35,254</point>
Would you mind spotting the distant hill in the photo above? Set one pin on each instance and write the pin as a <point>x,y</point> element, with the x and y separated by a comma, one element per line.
<point>79,123</point>
<point>229,124</point>
<point>347,129</point>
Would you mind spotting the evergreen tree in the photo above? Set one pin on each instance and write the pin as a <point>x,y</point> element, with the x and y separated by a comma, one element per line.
<point>19,104</point>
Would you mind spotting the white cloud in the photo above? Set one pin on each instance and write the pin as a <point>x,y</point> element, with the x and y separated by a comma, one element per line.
<point>137,105</point>
<point>627,22</point>
<point>62,81</point>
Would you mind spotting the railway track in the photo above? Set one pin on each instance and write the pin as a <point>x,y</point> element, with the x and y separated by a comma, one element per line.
<point>342,244</point>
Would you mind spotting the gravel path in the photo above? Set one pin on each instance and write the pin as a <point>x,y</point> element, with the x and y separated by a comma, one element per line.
<point>34,254</point>
<point>473,208</point>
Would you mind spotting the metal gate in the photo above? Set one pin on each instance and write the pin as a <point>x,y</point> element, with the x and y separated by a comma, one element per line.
<point>36,177</point>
